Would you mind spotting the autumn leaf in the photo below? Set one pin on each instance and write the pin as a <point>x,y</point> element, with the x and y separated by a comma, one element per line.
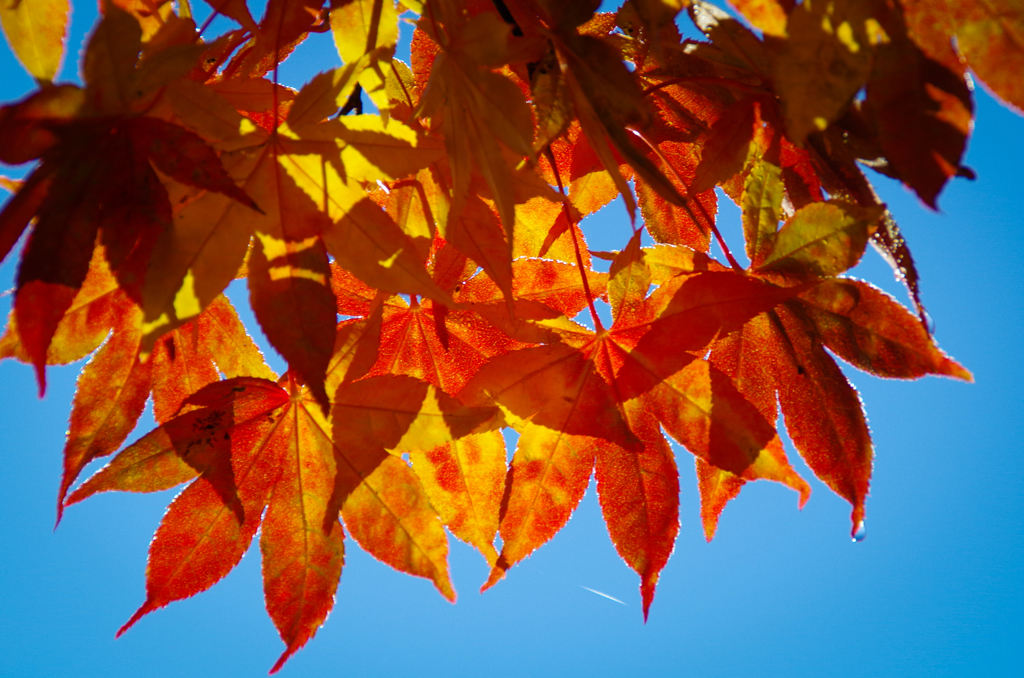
<point>822,239</point>
<point>987,34</point>
<point>195,259</point>
<point>606,101</point>
<point>114,386</point>
<point>564,411</point>
<point>483,108</point>
<point>412,345</point>
<point>732,44</point>
<point>110,396</point>
<point>94,311</point>
<point>824,60</point>
<point>302,547</point>
<point>767,15</point>
<point>367,27</point>
<point>838,449</point>
<point>656,15</point>
<point>380,498</point>
<point>235,10</point>
<point>728,145</point>
<point>695,403</point>
<point>422,264</point>
<point>692,310</point>
<point>251,446</point>
<point>762,208</point>
<point>35,32</point>
<point>285,23</point>
<point>234,417</point>
<point>99,179</point>
<point>869,329</point>
<point>551,101</point>
<point>550,472</point>
<point>639,500</point>
<point>923,111</point>
<point>465,480</point>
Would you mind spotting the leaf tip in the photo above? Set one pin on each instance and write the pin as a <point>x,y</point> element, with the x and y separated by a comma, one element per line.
<point>285,656</point>
<point>647,593</point>
<point>139,613</point>
<point>857,529</point>
<point>958,371</point>
<point>62,498</point>
<point>497,574</point>
<point>710,527</point>
<point>250,203</point>
<point>41,377</point>
<point>443,584</point>
<point>859,532</point>
<point>805,494</point>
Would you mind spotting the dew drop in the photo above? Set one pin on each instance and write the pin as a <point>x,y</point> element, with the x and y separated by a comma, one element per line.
<point>929,322</point>
<point>860,532</point>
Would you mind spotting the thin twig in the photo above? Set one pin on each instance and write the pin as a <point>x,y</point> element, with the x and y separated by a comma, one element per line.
<point>703,79</point>
<point>687,197</point>
<point>575,241</point>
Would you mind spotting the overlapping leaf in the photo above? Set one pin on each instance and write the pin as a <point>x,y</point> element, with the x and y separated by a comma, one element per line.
<point>251,447</point>
<point>444,233</point>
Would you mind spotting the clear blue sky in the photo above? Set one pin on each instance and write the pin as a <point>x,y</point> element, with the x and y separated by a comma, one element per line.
<point>934,590</point>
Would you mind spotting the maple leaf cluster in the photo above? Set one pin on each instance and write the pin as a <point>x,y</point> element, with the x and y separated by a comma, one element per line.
<point>421,268</point>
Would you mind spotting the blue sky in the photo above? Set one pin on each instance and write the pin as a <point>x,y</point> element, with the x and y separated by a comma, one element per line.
<point>934,590</point>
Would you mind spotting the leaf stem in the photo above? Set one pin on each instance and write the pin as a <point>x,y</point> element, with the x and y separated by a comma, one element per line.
<point>707,80</point>
<point>209,20</point>
<point>371,36</point>
<point>405,91</point>
<point>575,240</point>
<point>687,198</point>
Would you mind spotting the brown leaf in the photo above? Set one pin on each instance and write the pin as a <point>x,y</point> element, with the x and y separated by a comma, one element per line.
<point>924,113</point>
<point>824,61</point>
<point>989,34</point>
<point>868,328</point>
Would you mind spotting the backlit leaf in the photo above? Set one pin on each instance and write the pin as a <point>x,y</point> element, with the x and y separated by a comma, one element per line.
<point>824,415</point>
<point>210,525</point>
<point>866,327</point>
<point>291,295</point>
<point>303,551</point>
<point>35,31</point>
<point>423,265</point>
<point>548,476</point>
<point>198,256</point>
<point>481,108</point>
<point>390,516</point>
<point>767,15</point>
<point>762,209</point>
<point>821,239</point>
<point>639,495</point>
<point>924,113</point>
<point>987,33</point>
<point>824,60</point>
<point>464,480</point>
<point>109,399</point>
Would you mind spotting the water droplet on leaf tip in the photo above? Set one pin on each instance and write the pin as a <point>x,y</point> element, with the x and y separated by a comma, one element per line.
<point>860,532</point>
<point>929,322</point>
